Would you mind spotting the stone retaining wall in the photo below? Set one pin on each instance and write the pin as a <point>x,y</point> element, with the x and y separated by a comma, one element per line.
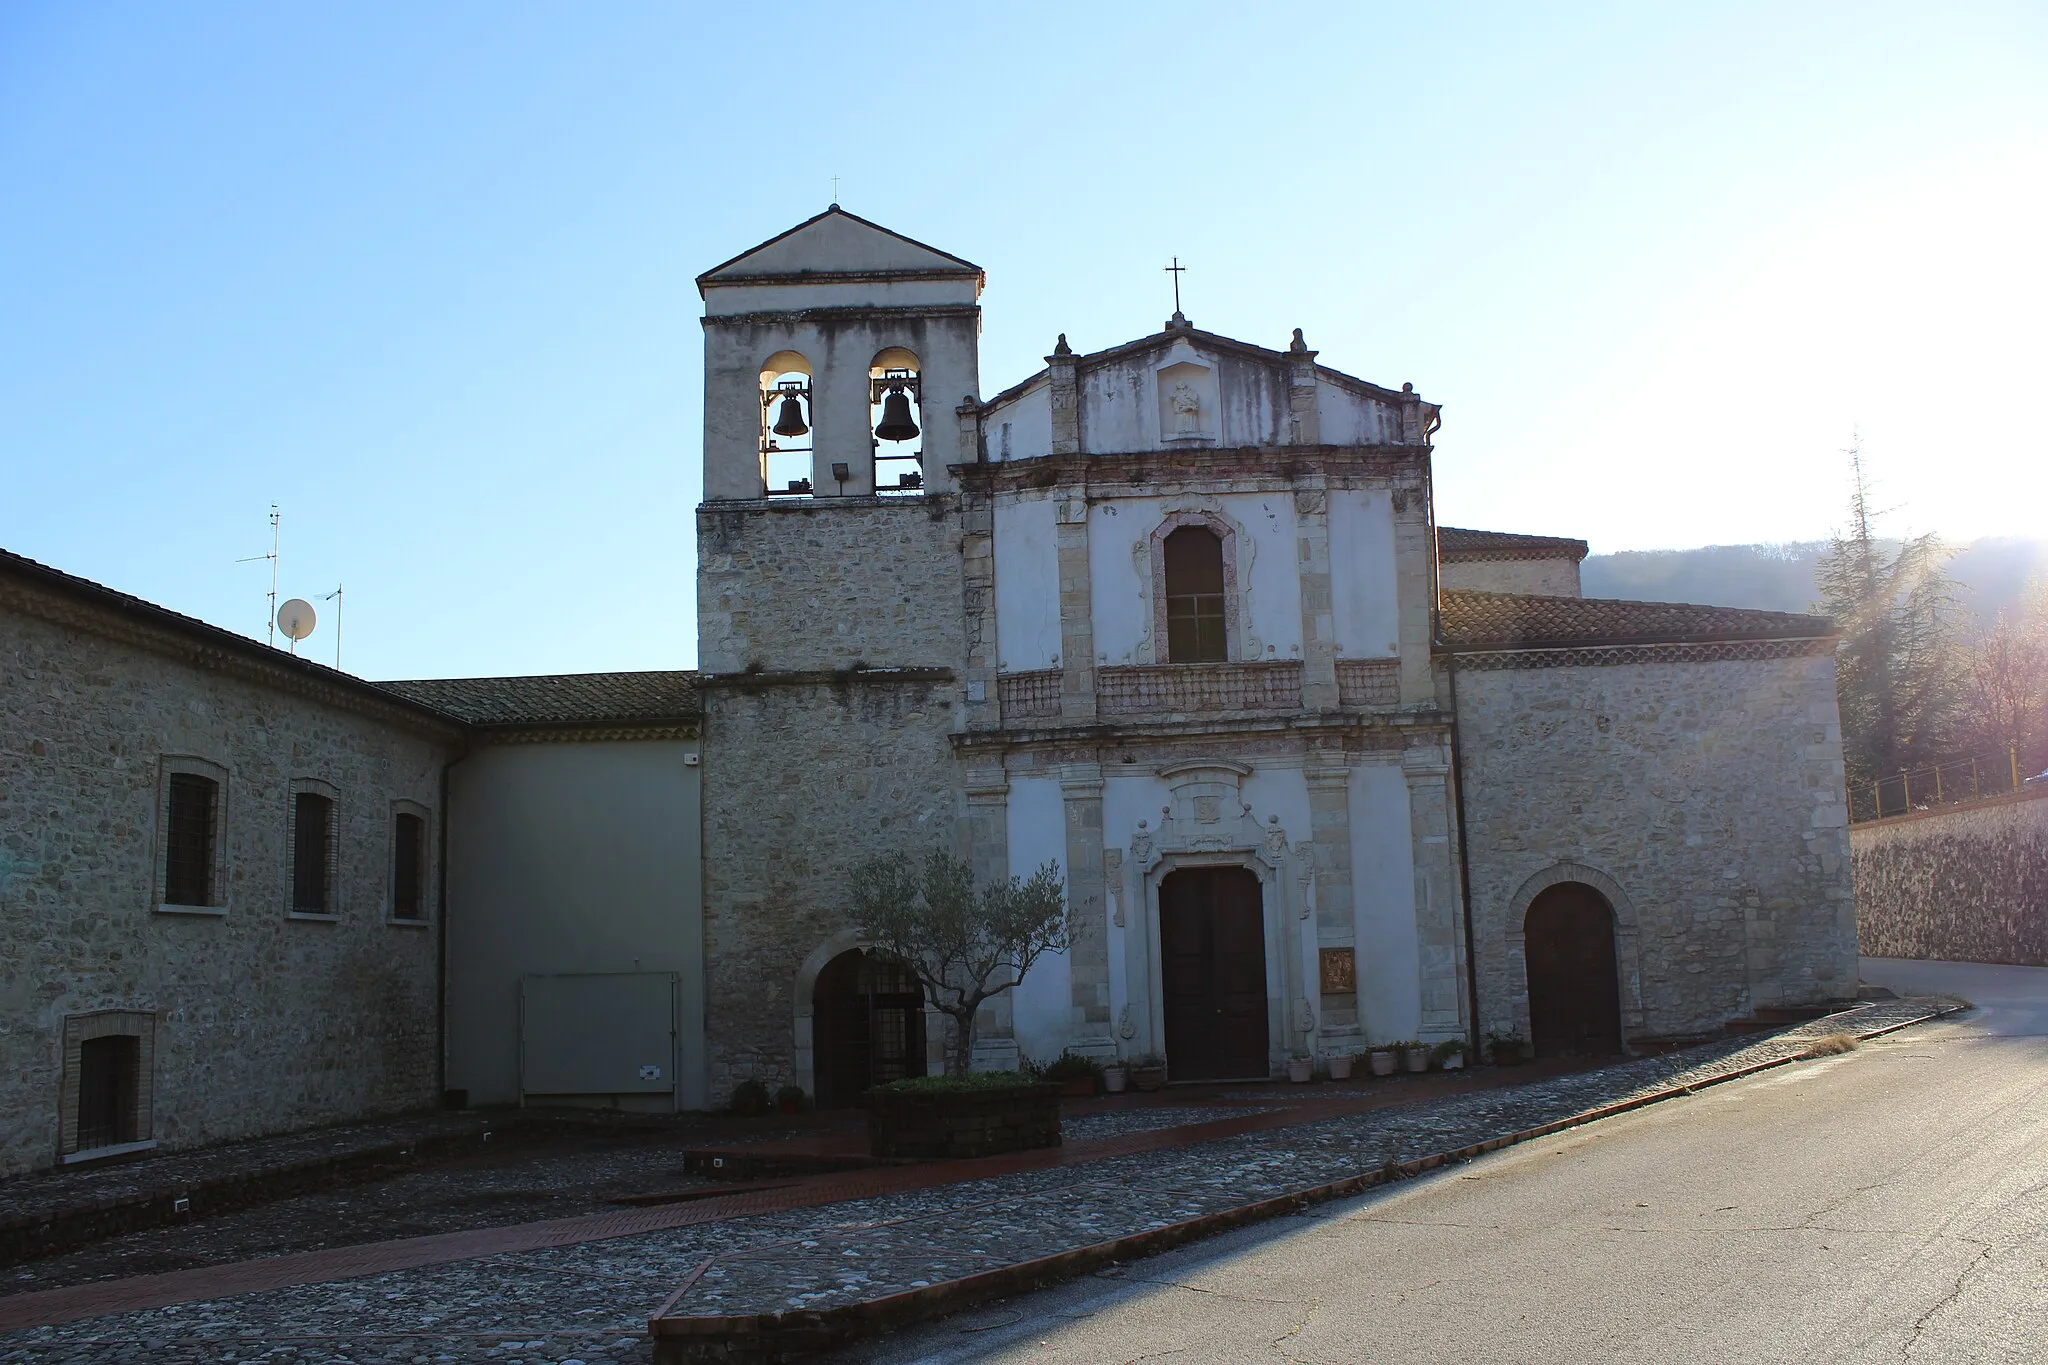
<point>1962,884</point>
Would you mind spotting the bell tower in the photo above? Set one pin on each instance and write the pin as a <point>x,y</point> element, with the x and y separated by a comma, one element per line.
<point>834,358</point>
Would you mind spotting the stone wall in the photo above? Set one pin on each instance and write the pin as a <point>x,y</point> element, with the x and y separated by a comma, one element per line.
<point>1961,884</point>
<point>1557,577</point>
<point>1702,796</point>
<point>839,630</point>
<point>803,780</point>
<point>261,1022</point>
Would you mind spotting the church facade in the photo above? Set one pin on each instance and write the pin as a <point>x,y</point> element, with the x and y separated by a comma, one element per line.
<point>1176,615</point>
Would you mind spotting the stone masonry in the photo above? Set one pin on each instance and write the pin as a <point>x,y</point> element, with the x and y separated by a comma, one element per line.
<point>1962,884</point>
<point>1704,799</point>
<point>260,1022</point>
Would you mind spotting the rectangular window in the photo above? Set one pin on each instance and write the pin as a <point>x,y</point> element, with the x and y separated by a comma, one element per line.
<point>191,827</point>
<point>408,866</point>
<point>312,853</point>
<point>109,1088</point>
<point>1196,624</point>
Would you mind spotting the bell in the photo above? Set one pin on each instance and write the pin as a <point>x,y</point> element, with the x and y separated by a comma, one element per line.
<point>790,421</point>
<point>896,424</point>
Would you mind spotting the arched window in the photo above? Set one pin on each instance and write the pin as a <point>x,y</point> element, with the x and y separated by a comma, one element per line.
<point>786,435</point>
<point>896,413</point>
<point>1197,628</point>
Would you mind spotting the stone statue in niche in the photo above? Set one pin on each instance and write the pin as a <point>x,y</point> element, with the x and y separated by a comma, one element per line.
<point>1187,409</point>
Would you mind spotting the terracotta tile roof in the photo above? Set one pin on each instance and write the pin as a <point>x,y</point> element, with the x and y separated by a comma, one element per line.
<point>1455,544</point>
<point>557,698</point>
<point>1498,620</point>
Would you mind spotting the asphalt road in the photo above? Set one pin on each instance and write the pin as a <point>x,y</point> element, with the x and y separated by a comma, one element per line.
<point>1890,1204</point>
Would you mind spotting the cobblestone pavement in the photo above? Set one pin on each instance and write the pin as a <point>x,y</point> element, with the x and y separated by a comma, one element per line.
<point>591,1301</point>
<point>1097,1127</point>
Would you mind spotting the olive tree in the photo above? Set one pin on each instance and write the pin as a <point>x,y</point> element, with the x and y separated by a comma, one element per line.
<point>966,943</point>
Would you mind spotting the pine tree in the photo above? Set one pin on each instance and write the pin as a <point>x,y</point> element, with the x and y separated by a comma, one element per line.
<point>1899,670</point>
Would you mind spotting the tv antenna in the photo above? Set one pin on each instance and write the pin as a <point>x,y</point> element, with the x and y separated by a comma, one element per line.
<point>336,598</point>
<point>295,618</point>
<point>270,613</point>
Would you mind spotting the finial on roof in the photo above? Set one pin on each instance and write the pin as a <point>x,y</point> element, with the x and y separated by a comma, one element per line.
<point>1178,322</point>
<point>1407,388</point>
<point>832,207</point>
<point>1298,346</point>
<point>1062,348</point>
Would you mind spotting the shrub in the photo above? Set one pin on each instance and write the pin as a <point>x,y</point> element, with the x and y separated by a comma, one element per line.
<point>790,1097</point>
<point>1072,1066</point>
<point>1832,1045</point>
<point>1451,1047</point>
<point>750,1097</point>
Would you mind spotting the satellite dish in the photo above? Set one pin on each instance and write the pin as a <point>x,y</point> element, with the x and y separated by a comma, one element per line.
<point>295,618</point>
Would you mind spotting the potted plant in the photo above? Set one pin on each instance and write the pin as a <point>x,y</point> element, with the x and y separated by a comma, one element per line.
<point>1073,1074</point>
<point>1415,1054</point>
<point>1383,1060</point>
<point>1300,1068</point>
<point>750,1098</point>
<point>790,1099</point>
<point>1149,1072</point>
<point>1505,1048</point>
<point>1450,1054</point>
<point>1115,1077</point>
<point>1339,1064</point>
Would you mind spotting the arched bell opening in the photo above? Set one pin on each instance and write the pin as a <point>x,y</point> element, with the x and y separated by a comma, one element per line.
<point>867,1026</point>
<point>1574,986</point>
<point>787,433</point>
<point>896,412</point>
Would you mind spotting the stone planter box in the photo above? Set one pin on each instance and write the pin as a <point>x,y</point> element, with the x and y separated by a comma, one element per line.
<point>958,1123</point>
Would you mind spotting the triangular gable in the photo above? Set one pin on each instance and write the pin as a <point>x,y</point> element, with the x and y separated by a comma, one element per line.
<point>836,242</point>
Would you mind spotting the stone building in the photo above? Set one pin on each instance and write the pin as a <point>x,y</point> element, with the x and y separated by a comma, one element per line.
<point>1178,616</point>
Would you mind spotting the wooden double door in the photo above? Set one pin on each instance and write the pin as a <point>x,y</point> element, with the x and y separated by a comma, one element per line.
<point>1212,969</point>
<point>1574,989</point>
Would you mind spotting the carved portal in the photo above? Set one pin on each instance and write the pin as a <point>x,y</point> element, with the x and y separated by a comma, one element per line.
<point>1207,823</point>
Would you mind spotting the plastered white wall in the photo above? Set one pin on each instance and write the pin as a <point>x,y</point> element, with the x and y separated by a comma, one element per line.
<point>1027,585</point>
<point>1349,419</point>
<point>569,858</point>
<point>1021,428</point>
<point>1362,577</point>
<point>1119,564</point>
<point>1042,1004</point>
<point>1383,904</point>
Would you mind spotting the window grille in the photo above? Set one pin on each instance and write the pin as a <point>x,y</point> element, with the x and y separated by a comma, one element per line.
<point>191,829</point>
<point>1195,625</point>
<point>408,866</point>
<point>109,1090</point>
<point>312,853</point>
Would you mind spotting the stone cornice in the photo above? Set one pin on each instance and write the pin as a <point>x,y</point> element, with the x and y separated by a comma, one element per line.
<point>76,604</point>
<point>846,313</point>
<point>1154,471</point>
<point>1395,730</point>
<point>1608,656</point>
<point>583,734</point>
<point>764,679</point>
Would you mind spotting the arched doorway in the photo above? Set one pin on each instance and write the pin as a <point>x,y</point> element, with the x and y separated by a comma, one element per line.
<point>1212,970</point>
<point>1574,995</point>
<point>867,1026</point>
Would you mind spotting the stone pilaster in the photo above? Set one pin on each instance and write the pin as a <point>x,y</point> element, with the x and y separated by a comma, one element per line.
<point>1087,914</point>
<point>988,832</point>
<point>1336,922</point>
<point>1318,615</point>
<point>1066,400</point>
<point>1439,940</point>
<point>1304,427</point>
<point>978,573</point>
<point>1077,620</point>
<point>1415,585</point>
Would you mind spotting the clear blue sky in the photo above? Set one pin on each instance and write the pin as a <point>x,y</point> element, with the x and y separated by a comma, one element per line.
<point>421,273</point>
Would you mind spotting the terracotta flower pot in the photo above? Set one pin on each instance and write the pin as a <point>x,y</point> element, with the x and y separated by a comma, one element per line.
<point>1382,1062</point>
<point>1078,1087</point>
<point>1340,1067</point>
<point>1149,1077</point>
<point>1415,1058</point>
<point>1300,1069</point>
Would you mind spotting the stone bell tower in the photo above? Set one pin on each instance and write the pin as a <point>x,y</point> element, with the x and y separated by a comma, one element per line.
<point>831,627</point>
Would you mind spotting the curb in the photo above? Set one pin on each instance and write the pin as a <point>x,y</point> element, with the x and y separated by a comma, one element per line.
<point>772,1337</point>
